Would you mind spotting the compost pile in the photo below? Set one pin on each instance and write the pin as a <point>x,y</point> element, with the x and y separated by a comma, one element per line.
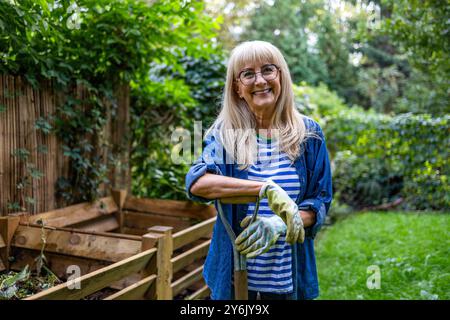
<point>19,285</point>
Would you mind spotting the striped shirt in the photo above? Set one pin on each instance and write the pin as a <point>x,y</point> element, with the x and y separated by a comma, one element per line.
<point>272,271</point>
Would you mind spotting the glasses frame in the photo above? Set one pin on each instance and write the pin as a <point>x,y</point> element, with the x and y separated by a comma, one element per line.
<point>254,77</point>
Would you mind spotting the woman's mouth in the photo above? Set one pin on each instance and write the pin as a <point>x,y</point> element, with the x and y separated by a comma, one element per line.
<point>261,92</point>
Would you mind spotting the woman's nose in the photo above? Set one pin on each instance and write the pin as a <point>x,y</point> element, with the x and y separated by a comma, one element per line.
<point>259,78</point>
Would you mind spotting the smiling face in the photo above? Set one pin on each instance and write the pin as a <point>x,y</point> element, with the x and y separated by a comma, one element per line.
<point>261,95</point>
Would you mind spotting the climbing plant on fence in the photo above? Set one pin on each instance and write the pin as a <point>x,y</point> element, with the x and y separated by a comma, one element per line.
<point>99,45</point>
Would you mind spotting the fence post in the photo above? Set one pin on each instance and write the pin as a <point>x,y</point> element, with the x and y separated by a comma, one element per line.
<point>164,263</point>
<point>8,226</point>
<point>119,197</point>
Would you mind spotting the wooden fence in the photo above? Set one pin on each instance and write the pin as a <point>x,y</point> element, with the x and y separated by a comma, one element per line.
<point>159,264</point>
<point>20,107</point>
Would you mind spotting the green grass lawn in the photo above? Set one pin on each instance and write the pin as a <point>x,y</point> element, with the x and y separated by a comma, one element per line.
<point>412,252</point>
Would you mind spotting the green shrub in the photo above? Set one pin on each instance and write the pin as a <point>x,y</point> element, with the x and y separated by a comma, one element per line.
<point>378,158</point>
<point>191,95</point>
<point>407,156</point>
<point>363,181</point>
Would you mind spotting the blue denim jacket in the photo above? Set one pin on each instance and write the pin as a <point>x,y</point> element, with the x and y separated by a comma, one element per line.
<point>313,168</point>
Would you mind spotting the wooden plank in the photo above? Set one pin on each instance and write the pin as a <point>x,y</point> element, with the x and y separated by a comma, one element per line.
<point>187,280</point>
<point>144,220</point>
<point>75,214</point>
<point>138,291</point>
<point>2,266</point>
<point>8,227</point>
<point>200,294</point>
<point>170,208</point>
<point>58,263</point>
<point>77,244</point>
<point>97,233</point>
<point>180,261</point>
<point>195,232</point>
<point>149,241</point>
<point>119,197</point>
<point>102,224</point>
<point>164,263</point>
<point>134,231</point>
<point>127,281</point>
<point>98,279</point>
<point>93,233</point>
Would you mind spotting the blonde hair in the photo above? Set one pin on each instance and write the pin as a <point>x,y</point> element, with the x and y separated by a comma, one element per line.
<point>236,124</point>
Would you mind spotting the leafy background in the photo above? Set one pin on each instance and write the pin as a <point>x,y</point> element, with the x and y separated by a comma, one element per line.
<point>374,74</point>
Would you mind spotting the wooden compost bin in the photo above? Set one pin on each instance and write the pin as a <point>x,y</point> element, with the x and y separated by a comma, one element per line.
<point>137,248</point>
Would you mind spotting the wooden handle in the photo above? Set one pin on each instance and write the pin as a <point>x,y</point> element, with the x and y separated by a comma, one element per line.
<point>240,285</point>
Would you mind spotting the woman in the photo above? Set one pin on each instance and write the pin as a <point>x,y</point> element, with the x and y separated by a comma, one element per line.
<point>260,146</point>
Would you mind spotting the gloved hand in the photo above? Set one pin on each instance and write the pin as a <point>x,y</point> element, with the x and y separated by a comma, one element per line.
<point>260,235</point>
<point>283,206</point>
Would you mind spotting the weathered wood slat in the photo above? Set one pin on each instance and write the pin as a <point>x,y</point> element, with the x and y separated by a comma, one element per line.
<point>180,261</point>
<point>195,232</point>
<point>100,224</point>
<point>94,233</point>
<point>74,214</point>
<point>170,208</point>
<point>199,294</point>
<point>8,226</point>
<point>98,279</point>
<point>119,197</point>
<point>185,281</point>
<point>137,291</point>
<point>140,220</point>
<point>58,263</point>
<point>2,242</point>
<point>164,263</point>
<point>134,231</point>
<point>76,243</point>
<point>2,266</point>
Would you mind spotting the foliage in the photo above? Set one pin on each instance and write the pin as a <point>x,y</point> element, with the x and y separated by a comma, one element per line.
<point>411,251</point>
<point>96,45</point>
<point>19,285</point>
<point>286,24</point>
<point>191,96</point>
<point>384,155</point>
<point>424,93</point>
<point>378,158</point>
<point>421,29</point>
<point>233,16</point>
<point>318,102</point>
<point>405,65</point>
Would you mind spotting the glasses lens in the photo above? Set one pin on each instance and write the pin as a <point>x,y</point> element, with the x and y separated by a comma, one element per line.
<point>247,77</point>
<point>269,72</point>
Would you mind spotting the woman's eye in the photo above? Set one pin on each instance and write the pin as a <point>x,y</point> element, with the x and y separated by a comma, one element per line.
<point>248,74</point>
<point>268,70</point>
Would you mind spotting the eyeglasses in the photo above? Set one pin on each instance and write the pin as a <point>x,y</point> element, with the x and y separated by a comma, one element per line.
<point>268,72</point>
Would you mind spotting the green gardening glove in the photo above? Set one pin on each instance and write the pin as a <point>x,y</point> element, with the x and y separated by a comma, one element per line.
<point>260,235</point>
<point>284,207</point>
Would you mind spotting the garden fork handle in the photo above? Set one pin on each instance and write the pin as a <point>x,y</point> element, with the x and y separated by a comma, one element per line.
<point>240,261</point>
